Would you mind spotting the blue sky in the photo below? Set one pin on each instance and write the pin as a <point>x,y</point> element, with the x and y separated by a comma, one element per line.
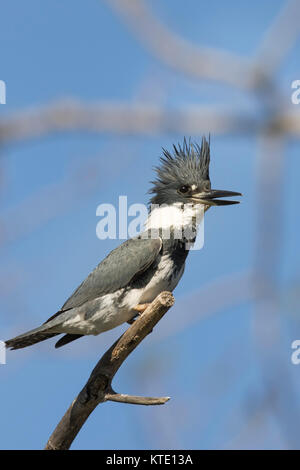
<point>50,188</point>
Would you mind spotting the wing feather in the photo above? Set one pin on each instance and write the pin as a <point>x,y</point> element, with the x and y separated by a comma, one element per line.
<point>123,264</point>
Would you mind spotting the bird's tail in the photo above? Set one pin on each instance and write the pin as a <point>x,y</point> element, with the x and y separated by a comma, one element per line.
<point>31,337</point>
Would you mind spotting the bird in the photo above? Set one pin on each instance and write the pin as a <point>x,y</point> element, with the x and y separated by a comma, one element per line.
<point>131,276</point>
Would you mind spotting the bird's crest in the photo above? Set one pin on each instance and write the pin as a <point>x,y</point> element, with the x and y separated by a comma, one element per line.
<point>188,161</point>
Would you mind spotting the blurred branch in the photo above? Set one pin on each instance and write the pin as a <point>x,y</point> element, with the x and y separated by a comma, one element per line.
<point>280,37</point>
<point>98,388</point>
<point>72,116</point>
<point>196,61</point>
<point>117,118</point>
<point>289,122</point>
<point>278,380</point>
<point>270,177</point>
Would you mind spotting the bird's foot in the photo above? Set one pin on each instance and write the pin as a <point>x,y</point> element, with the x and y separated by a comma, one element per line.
<point>140,308</point>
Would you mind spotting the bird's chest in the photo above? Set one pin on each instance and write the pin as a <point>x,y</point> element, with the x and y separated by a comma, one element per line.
<point>118,307</point>
<point>165,277</point>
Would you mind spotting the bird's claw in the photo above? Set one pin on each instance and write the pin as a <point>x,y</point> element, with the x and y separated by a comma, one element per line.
<point>139,308</point>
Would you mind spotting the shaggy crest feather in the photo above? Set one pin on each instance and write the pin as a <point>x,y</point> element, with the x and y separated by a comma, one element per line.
<point>188,162</point>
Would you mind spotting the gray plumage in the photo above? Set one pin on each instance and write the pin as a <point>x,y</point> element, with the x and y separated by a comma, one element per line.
<point>142,267</point>
<point>136,254</point>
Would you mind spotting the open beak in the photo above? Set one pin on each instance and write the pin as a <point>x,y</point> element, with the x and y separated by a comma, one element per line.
<point>210,198</point>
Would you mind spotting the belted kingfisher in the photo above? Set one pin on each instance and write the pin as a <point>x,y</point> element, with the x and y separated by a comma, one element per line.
<point>133,274</point>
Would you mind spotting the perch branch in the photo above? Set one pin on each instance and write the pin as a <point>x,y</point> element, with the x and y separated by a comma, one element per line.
<point>98,387</point>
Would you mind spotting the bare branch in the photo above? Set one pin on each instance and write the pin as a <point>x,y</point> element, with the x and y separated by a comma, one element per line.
<point>98,388</point>
<point>178,53</point>
<point>135,400</point>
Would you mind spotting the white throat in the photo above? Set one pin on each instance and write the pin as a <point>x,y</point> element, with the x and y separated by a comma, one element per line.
<point>177,215</point>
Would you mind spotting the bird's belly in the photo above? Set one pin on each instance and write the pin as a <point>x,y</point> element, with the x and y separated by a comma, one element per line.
<point>166,277</point>
<point>101,314</point>
<point>112,310</point>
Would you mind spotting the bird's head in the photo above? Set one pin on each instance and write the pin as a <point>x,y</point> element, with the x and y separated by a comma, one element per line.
<point>183,177</point>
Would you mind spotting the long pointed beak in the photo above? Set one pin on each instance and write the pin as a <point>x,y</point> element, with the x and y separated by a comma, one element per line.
<point>210,197</point>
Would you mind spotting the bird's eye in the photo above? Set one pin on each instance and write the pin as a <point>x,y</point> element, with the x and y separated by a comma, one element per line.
<point>206,186</point>
<point>184,189</point>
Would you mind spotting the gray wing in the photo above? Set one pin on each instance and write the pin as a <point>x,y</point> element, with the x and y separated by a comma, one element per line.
<point>122,265</point>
